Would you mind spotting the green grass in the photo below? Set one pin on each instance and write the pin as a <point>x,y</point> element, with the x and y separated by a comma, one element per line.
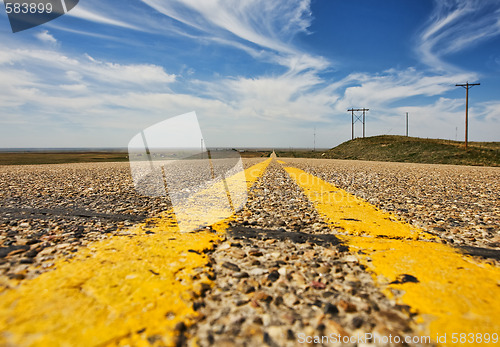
<point>410,150</point>
<point>36,158</point>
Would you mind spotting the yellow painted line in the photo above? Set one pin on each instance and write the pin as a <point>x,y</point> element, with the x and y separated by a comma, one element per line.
<point>127,290</point>
<point>212,204</point>
<point>454,293</point>
<point>255,171</point>
<point>353,214</point>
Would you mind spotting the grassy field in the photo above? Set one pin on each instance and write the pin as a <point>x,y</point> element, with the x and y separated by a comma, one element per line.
<point>35,158</point>
<point>379,148</point>
<point>255,154</point>
<point>409,150</point>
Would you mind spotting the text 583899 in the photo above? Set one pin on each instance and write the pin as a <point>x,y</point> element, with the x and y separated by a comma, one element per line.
<point>28,7</point>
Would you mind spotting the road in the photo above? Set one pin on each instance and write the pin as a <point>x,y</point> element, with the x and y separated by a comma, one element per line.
<point>322,248</point>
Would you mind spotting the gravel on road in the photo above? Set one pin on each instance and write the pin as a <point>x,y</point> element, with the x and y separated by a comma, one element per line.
<point>52,210</point>
<point>281,271</point>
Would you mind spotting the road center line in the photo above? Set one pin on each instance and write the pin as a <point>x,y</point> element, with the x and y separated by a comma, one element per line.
<point>451,292</point>
<point>128,290</point>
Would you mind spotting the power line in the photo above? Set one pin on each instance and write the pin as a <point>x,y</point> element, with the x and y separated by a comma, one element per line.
<point>467,86</point>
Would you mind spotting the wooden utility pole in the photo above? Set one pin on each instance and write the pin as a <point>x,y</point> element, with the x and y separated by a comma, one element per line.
<point>467,86</point>
<point>352,110</point>
<point>352,123</point>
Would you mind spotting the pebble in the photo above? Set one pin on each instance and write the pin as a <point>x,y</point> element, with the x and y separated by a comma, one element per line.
<point>258,272</point>
<point>331,309</point>
<point>231,266</point>
<point>273,276</point>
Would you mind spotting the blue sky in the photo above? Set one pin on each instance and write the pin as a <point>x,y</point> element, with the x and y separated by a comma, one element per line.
<point>257,73</point>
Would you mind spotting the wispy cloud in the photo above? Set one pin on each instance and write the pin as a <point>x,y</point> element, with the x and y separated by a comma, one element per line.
<point>83,13</point>
<point>51,65</point>
<point>251,25</point>
<point>456,25</point>
<point>380,90</point>
<point>44,36</point>
<point>85,33</point>
<point>265,23</point>
<point>263,29</point>
<point>488,111</point>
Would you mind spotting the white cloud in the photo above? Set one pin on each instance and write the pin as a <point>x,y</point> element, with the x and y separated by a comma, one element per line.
<point>51,64</point>
<point>487,112</point>
<point>362,90</point>
<point>52,93</point>
<point>456,25</point>
<point>86,14</point>
<point>244,24</point>
<point>265,23</point>
<point>142,74</point>
<point>263,29</point>
<point>44,36</point>
<point>81,32</point>
<point>74,87</point>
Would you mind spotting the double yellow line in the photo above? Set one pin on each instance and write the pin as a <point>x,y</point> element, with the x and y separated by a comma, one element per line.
<point>452,293</point>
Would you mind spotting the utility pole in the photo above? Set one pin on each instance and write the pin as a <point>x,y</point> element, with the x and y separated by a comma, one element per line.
<point>364,109</point>
<point>358,118</point>
<point>352,123</point>
<point>314,149</point>
<point>406,124</point>
<point>467,86</point>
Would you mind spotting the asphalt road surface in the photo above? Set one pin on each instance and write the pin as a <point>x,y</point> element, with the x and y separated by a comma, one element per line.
<point>324,251</point>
